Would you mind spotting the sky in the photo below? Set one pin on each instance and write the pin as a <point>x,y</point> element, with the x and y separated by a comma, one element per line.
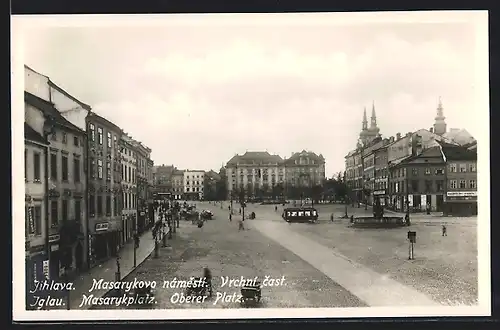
<point>199,90</point>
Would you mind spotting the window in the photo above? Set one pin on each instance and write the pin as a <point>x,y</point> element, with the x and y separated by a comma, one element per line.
<point>53,137</point>
<point>76,142</point>
<point>99,168</point>
<point>133,176</point>
<point>187,189</point>
<point>427,171</point>
<point>129,174</point>
<point>453,184</point>
<point>64,167</point>
<point>99,135</point>
<point>463,184</point>
<point>91,205</point>
<point>53,166</point>
<point>64,138</point>
<point>76,169</point>
<point>439,171</point>
<point>109,139</point>
<point>115,205</point>
<point>54,213</point>
<point>439,185</point>
<point>414,185</point>
<point>78,210</point>
<point>472,184</point>
<point>99,205</point>
<point>123,172</point>
<point>453,168</point>
<point>108,171</point>
<point>64,213</point>
<point>92,132</point>
<point>428,186</point>
<point>37,219</point>
<point>472,167</point>
<point>25,164</point>
<point>92,168</point>
<point>36,167</point>
<point>463,168</point>
<point>115,140</point>
<point>108,205</point>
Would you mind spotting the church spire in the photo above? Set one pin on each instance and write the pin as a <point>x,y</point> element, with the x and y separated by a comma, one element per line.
<point>373,123</point>
<point>365,121</point>
<point>439,123</point>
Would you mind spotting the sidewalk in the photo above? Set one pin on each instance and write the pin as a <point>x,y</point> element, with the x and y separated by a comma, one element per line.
<point>106,270</point>
<point>373,288</point>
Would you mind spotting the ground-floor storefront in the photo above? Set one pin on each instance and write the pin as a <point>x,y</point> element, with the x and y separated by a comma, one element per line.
<point>128,226</point>
<point>37,269</point>
<point>460,203</point>
<point>105,240</point>
<point>416,202</point>
<point>192,196</point>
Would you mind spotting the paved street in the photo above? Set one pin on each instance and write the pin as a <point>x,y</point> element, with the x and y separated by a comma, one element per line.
<point>229,252</point>
<point>445,268</point>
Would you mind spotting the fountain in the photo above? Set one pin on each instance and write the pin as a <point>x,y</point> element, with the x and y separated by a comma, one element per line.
<point>378,220</point>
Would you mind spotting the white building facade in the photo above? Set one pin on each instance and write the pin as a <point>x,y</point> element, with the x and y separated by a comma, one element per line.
<point>129,187</point>
<point>193,184</point>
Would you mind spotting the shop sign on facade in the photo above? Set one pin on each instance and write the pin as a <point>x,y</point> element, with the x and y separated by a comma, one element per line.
<point>379,192</point>
<point>46,269</point>
<point>103,226</point>
<point>461,194</point>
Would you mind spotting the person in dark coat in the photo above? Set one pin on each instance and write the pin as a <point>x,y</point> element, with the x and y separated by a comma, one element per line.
<point>443,230</point>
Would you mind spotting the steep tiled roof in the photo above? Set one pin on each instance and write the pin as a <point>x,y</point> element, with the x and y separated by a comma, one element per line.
<point>453,152</point>
<point>433,152</point>
<point>32,135</point>
<point>255,157</point>
<point>50,111</point>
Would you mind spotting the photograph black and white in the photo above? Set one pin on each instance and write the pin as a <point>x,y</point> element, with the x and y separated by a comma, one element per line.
<point>251,165</point>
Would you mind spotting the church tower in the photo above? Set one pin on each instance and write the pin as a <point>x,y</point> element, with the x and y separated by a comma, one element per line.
<point>439,123</point>
<point>365,122</point>
<point>373,126</point>
<point>368,134</point>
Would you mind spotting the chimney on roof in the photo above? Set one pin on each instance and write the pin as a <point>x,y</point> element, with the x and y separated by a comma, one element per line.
<point>391,139</point>
<point>431,130</point>
<point>398,136</point>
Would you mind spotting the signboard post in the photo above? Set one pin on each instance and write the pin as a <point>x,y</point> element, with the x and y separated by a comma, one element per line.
<point>412,239</point>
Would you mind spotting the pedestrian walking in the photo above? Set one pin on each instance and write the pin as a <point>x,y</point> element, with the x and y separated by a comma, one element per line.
<point>443,230</point>
<point>230,217</point>
<point>240,225</point>
<point>331,217</point>
<point>239,210</point>
<point>276,208</point>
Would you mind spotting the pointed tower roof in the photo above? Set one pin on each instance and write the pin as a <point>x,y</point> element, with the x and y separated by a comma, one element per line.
<point>374,116</point>
<point>365,121</point>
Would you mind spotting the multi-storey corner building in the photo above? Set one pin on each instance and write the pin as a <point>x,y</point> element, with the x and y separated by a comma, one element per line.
<point>162,180</point>
<point>65,188</point>
<point>144,178</point>
<point>177,184</point>
<point>302,171</point>
<point>105,190</point>
<point>129,186</point>
<point>210,185</point>
<point>461,180</point>
<point>262,174</point>
<point>373,170</point>
<point>35,153</point>
<point>193,184</point>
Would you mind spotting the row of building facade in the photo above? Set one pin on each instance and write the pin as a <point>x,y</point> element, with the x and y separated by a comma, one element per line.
<point>87,183</point>
<point>255,174</point>
<point>430,169</point>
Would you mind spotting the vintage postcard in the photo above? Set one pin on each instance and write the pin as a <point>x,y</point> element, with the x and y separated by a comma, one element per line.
<point>251,166</point>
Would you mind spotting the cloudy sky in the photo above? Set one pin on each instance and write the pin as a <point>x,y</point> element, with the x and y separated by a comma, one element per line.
<point>201,89</point>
